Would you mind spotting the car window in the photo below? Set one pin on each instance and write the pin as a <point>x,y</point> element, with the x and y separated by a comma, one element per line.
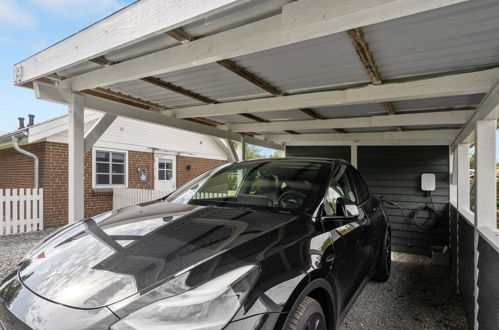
<point>360,185</point>
<point>339,186</point>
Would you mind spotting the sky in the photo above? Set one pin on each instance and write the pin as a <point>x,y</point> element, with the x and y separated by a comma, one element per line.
<point>29,26</point>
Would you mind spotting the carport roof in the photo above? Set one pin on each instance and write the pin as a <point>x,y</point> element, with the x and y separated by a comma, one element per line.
<point>283,71</point>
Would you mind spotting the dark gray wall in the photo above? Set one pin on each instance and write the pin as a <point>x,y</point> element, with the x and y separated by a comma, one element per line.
<point>488,288</point>
<point>393,171</point>
<point>466,267</point>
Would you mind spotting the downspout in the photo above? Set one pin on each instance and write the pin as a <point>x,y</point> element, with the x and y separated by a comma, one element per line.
<point>15,143</point>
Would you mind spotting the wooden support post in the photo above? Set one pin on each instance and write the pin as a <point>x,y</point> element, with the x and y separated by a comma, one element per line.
<point>353,155</point>
<point>485,173</point>
<point>463,176</point>
<point>76,157</point>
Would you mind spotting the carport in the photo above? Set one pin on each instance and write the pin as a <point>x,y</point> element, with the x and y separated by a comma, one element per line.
<point>397,87</point>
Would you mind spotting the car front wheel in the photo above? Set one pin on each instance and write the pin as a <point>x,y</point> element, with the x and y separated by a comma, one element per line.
<point>385,260</point>
<point>308,316</point>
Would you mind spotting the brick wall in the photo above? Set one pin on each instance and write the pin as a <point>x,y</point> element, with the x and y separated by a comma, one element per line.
<point>198,166</point>
<point>16,171</point>
<point>138,159</point>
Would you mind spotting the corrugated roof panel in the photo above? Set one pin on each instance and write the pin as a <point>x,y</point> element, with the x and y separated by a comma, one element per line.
<point>150,45</point>
<point>327,61</point>
<point>152,93</point>
<point>371,129</point>
<point>214,81</point>
<point>454,38</point>
<point>356,110</point>
<point>447,102</point>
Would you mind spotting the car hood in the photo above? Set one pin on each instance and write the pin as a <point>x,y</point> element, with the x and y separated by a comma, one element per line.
<point>101,261</point>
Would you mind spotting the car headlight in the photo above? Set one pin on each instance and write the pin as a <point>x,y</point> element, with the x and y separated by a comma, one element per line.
<point>210,305</point>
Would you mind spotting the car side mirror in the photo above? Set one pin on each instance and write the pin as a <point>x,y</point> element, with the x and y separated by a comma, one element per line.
<point>345,209</point>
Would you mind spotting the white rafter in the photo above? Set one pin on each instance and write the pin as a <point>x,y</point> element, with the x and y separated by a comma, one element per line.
<point>300,21</point>
<point>449,85</point>
<point>413,119</point>
<point>445,136</point>
<point>55,94</point>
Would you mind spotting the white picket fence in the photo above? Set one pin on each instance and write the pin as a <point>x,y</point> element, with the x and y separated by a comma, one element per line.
<point>123,197</point>
<point>21,210</point>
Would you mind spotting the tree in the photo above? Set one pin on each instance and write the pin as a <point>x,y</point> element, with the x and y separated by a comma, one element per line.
<point>252,152</point>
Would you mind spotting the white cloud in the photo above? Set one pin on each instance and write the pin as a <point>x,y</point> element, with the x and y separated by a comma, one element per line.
<point>78,9</point>
<point>12,15</point>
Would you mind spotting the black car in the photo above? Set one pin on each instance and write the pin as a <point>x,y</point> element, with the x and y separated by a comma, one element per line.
<point>266,244</point>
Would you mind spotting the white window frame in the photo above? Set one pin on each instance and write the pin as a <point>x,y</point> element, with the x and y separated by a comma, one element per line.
<point>94,168</point>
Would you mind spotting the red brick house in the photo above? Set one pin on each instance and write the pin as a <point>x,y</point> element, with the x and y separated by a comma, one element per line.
<point>129,154</point>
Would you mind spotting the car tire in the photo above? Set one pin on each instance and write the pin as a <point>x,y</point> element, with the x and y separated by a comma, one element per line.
<point>382,273</point>
<point>308,315</point>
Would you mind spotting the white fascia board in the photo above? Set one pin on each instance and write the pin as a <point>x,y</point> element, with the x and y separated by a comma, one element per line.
<point>423,142</point>
<point>413,119</point>
<point>56,94</point>
<point>449,85</point>
<point>447,134</point>
<point>136,22</point>
<point>488,109</point>
<point>299,21</point>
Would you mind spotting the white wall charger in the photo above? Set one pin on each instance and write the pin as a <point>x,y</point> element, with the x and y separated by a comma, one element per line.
<point>428,181</point>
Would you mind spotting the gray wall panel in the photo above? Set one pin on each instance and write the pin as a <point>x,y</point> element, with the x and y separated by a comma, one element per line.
<point>488,289</point>
<point>393,172</point>
<point>466,268</point>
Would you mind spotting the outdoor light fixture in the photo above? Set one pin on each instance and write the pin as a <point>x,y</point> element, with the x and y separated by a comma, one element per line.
<point>188,167</point>
<point>142,174</point>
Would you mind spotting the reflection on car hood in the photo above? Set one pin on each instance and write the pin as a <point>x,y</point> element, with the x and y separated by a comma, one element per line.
<point>100,262</point>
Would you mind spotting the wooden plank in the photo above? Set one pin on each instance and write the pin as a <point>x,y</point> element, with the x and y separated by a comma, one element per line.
<point>177,89</point>
<point>94,134</point>
<point>299,21</point>
<point>41,210</point>
<point>179,34</point>
<point>29,210</point>
<point>3,229</point>
<point>249,76</point>
<point>22,207</point>
<point>8,209</point>
<point>366,57</point>
<point>448,85</point>
<point>15,209</point>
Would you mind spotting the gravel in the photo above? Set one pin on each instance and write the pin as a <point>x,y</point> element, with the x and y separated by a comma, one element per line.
<point>418,295</point>
<point>14,247</point>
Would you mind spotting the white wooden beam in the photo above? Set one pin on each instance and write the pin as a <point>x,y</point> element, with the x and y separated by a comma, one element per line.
<point>353,156</point>
<point>233,150</point>
<point>485,173</point>
<point>448,135</point>
<point>487,110</point>
<point>413,119</point>
<point>136,22</point>
<point>56,94</point>
<point>224,144</point>
<point>97,130</point>
<point>449,85</point>
<point>299,21</point>
<point>76,158</point>
<point>463,176</point>
<point>372,142</point>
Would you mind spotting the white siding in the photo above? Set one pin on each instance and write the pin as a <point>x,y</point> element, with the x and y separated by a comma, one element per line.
<point>129,134</point>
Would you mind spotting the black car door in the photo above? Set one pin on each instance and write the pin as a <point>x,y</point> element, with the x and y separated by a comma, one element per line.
<point>373,224</point>
<point>349,269</point>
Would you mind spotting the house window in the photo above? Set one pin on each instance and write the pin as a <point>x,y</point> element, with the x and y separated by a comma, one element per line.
<point>110,168</point>
<point>164,169</point>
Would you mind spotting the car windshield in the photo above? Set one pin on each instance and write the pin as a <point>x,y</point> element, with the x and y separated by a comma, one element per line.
<point>274,184</point>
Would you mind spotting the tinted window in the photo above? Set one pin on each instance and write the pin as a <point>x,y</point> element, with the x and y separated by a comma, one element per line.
<point>340,186</point>
<point>272,184</point>
<point>360,185</point>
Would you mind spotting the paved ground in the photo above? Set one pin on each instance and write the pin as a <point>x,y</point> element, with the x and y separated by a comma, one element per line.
<point>417,296</point>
